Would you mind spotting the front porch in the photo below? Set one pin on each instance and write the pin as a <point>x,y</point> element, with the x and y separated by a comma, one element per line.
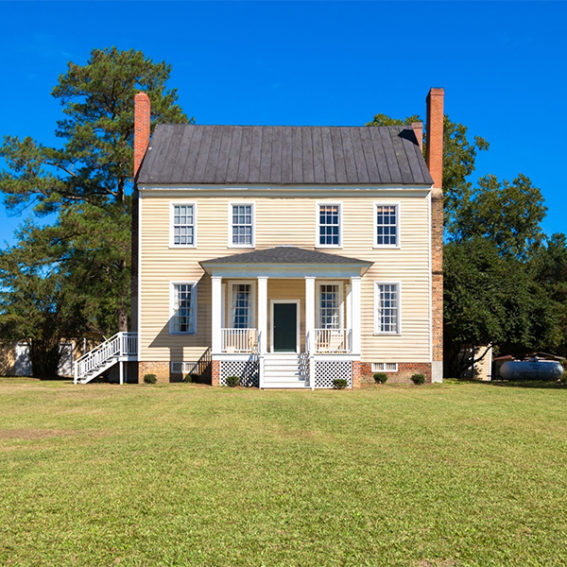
<point>285,324</point>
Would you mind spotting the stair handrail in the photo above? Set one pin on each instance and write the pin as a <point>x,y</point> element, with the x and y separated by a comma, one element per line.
<point>118,344</point>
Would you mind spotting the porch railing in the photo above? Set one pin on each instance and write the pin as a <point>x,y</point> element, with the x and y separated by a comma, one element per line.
<point>333,341</point>
<point>239,340</point>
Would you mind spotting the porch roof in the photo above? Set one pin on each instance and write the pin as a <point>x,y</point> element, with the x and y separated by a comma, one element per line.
<point>286,261</point>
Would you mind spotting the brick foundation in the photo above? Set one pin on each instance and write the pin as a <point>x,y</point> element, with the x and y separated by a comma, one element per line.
<point>160,369</point>
<point>215,373</point>
<point>356,374</point>
<point>402,376</point>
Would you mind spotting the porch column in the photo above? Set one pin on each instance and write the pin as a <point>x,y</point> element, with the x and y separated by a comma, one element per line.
<point>216,313</point>
<point>355,316</point>
<point>263,314</point>
<point>310,314</point>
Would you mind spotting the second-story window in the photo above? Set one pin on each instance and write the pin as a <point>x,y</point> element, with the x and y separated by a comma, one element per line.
<point>242,229</point>
<point>183,225</point>
<point>387,230</point>
<point>329,225</point>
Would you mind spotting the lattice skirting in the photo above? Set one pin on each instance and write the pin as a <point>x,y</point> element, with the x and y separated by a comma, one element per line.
<point>327,370</point>
<point>248,370</point>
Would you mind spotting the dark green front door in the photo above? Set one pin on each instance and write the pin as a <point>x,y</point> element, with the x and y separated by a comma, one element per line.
<point>285,327</point>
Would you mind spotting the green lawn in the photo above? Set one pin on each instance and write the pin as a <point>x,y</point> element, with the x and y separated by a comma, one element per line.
<point>451,475</point>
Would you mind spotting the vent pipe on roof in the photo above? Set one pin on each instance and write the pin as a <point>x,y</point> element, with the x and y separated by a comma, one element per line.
<point>142,113</point>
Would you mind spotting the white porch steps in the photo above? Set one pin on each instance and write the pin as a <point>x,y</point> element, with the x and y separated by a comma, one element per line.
<point>285,371</point>
<point>119,348</point>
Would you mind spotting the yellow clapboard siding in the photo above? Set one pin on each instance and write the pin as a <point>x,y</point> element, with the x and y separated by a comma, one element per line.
<point>291,221</point>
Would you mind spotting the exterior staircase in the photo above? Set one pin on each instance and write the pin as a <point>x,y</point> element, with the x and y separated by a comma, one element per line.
<point>121,347</point>
<point>285,371</point>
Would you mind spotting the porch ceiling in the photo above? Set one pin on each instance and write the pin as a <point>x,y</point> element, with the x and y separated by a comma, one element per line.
<point>286,261</point>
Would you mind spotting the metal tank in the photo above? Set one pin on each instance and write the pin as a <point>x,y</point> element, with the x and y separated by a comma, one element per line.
<point>531,370</point>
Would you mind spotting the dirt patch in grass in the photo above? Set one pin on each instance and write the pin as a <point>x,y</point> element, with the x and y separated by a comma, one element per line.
<point>32,434</point>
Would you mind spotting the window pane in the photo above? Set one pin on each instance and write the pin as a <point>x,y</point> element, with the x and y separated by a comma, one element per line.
<point>388,310</point>
<point>329,307</point>
<point>183,225</point>
<point>329,226</point>
<point>182,307</point>
<point>242,225</point>
<point>386,225</point>
<point>241,305</point>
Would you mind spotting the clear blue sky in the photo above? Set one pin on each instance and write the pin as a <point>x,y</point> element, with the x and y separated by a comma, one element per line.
<point>503,67</point>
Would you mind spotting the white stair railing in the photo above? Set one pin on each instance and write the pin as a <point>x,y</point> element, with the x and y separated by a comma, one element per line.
<point>92,363</point>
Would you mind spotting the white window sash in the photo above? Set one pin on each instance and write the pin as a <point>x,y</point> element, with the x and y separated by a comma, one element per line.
<point>232,225</point>
<point>174,307</point>
<point>397,224</point>
<point>378,308</point>
<point>173,225</point>
<point>320,226</point>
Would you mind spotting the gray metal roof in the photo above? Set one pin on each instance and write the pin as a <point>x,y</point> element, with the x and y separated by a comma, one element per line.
<point>285,255</point>
<point>284,155</point>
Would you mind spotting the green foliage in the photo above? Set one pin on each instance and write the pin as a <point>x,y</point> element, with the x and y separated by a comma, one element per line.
<point>506,213</point>
<point>233,381</point>
<point>418,379</point>
<point>86,181</point>
<point>192,377</point>
<point>380,377</point>
<point>339,383</point>
<point>150,378</point>
<point>492,299</point>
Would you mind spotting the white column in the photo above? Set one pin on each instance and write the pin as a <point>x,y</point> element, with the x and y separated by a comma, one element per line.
<point>216,313</point>
<point>310,326</point>
<point>263,313</point>
<point>121,372</point>
<point>355,316</point>
<point>310,313</point>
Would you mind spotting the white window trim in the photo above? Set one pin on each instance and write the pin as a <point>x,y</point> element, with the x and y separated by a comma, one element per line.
<point>248,203</point>
<point>252,312</point>
<point>171,219</point>
<point>319,283</point>
<point>193,325</point>
<point>375,367</point>
<point>377,330</point>
<point>375,224</point>
<point>319,204</point>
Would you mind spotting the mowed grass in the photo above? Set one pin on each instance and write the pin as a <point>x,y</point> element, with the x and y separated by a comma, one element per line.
<point>449,475</point>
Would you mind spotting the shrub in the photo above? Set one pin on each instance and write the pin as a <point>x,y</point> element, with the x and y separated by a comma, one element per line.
<point>380,378</point>
<point>150,378</point>
<point>339,383</point>
<point>233,381</point>
<point>418,379</point>
<point>564,377</point>
<point>191,377</point>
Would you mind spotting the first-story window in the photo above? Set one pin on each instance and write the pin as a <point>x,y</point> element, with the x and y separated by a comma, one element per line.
<point>387,226</point>
<point>183,308</point>
<point>242,228</point>
<point>183,225</point>
<point>329,306</point>
<point>241,305</point>
<point>329,222</point>
<point>387,319</point>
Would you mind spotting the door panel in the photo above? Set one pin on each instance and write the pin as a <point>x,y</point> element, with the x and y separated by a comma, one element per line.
<point>285,327</point>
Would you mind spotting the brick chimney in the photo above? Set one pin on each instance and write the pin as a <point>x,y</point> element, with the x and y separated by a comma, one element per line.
<point>434,154</point>
<point>142,109</point>
<point>434,159</point>
<point>417,128</point>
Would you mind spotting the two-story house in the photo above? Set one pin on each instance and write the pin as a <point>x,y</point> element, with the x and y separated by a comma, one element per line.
<point>288,256</point>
